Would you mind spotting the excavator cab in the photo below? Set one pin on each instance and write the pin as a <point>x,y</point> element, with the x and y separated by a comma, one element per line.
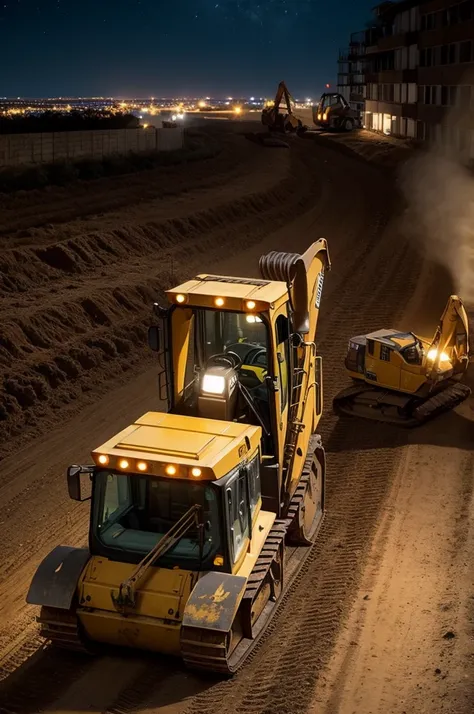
<point>197,511</point>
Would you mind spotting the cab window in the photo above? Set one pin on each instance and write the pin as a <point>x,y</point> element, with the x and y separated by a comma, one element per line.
<point>283,356</point>
<point>255,490</point>
<point>238,515</point>
<point>385,353</point>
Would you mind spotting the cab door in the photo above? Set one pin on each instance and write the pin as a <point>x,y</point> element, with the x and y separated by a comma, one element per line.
<point>282,376</point>
<point>389,366</point>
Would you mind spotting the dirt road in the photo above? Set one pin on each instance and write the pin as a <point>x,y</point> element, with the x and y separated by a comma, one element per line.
<point>76,296</point>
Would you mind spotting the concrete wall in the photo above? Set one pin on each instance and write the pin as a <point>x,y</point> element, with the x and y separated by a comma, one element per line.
<point>18,149</point>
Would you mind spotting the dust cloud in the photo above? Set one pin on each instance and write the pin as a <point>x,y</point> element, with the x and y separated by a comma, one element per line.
<point>439,191</point>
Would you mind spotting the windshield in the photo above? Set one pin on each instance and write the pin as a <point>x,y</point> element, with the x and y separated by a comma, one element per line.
<point>330,100</point>
<point>234,332</point>
<point>134,512</point>
<point>214,332</point>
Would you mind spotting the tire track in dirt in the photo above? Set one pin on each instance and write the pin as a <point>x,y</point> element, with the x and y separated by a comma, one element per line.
<point>50,354</point>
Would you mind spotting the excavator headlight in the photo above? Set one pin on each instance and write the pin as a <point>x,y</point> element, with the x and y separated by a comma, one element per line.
<point>123,464</point>
<point>320,117</point>
<point>196,472</point>
<point>213,384</point>
<point>432,355</point>
<point>142,466</point>
<point>180,298</point>
<point>103,459</point>
<point>170,470</point>
<point>219,302</point>
<point>325,116</point>
<point>250,305</point>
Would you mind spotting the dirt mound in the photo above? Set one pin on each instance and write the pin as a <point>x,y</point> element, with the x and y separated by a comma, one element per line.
<point>75,307</point>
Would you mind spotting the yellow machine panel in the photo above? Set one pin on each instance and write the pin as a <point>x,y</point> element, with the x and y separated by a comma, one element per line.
<point>252,296</point>
<point>159,439</point>
<point>155,620</point>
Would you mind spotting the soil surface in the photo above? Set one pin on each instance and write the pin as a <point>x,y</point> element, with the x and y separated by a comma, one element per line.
<point>380,620</point>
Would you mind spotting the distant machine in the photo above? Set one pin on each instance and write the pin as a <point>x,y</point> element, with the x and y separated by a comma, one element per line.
<point>282,119</point>
<point>334,113</point>
<point>405,379</point>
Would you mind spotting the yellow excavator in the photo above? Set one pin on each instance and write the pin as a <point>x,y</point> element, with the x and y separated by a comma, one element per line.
<point>405,379</point>
<point>202,515</point>
<point>282,121</point>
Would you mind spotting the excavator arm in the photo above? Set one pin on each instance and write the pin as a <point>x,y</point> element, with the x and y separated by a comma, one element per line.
<point>304,276</point>
<point>282,91</point>
<point>451,339</point>
<point>271,116</point>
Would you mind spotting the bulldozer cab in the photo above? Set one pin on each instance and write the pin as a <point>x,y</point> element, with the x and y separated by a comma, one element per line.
<point>243,350</point>
<point>333,102</point>
<point>223,364</point>
<point>174,464</point>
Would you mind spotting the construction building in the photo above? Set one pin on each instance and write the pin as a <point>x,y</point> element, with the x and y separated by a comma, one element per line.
<point>351,72</point>
<point>418,72</point>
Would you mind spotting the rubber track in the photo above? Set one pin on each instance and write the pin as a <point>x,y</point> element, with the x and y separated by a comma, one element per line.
<point>442,402</point>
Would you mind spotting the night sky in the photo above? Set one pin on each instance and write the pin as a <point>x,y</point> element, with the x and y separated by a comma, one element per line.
<point>173,47</point>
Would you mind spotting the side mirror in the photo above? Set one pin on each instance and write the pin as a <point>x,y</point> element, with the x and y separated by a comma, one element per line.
<point>74,483</point>
<point>154,338</point>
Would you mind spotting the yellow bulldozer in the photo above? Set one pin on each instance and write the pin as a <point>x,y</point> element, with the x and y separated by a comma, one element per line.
<point>405,379</point>
<point>201,515</point>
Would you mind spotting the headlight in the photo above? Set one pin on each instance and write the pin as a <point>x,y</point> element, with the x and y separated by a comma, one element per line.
<point>173,118</point>
<point>213,384</point>
<point>325,116</point>
<point>432,354</point>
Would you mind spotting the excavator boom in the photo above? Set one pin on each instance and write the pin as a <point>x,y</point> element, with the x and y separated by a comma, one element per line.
<point>451,338</point>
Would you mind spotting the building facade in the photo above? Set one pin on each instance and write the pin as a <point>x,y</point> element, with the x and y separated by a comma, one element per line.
<point>418,70</point>
<point>351,71</point>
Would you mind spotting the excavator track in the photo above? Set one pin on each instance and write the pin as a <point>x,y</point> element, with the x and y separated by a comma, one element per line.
<point>276,567</point>
<point>441,402</point>
<point>368,402</point>
<point>62,629</point>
